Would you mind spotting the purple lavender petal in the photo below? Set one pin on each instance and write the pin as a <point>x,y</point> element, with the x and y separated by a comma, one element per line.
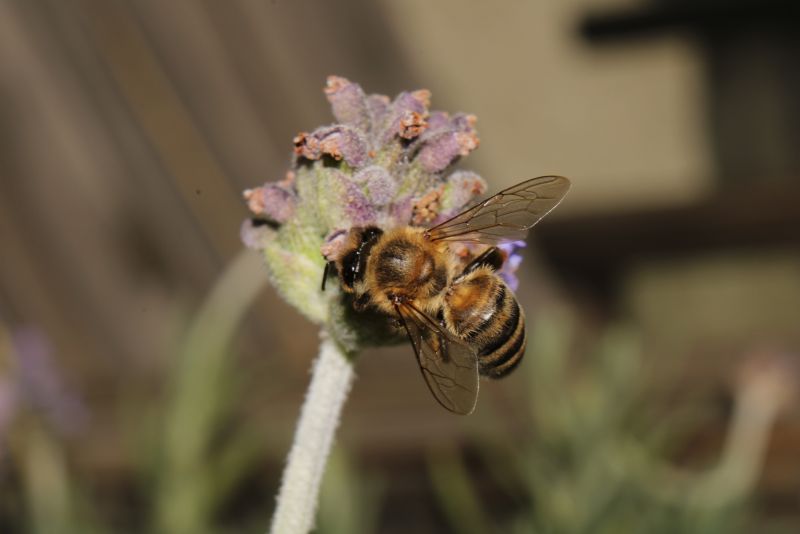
<point>510,279</point>
<point>511,247</point>
<point>417,101</point>
<point>438,120</point>
<point>348,102</point>
<point>381,187</point>
<point>463,122</point>
<point>378,107</point>
<point>279,202</point>
<point>439,152</point>
<point>356,206</point>
<point>334,245</point>
<point>255,234</point>
<point>450,140</point>
<point>401,210</point>
<point>41,384</point>
<point>353,147</point>
<point>407,116</point>
<point>338,141</point>
<point>464,187</point>
<point>461,190</point>
<point>513,260</point>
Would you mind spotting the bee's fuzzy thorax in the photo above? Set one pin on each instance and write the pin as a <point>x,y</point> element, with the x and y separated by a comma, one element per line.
<point>404,264</point>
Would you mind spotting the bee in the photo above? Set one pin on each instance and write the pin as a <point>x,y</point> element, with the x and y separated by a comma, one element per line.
<point>463,321</point>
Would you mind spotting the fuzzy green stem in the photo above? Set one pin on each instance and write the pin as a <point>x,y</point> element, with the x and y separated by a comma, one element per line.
<point>331,379</point>
<point>46,483</point>
<point>184,498</point>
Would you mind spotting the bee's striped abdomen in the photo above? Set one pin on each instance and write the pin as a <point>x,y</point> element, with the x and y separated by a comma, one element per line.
<point>483,311</point>
<point>500,355</point>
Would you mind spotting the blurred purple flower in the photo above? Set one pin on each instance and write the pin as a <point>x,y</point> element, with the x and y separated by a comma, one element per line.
<point>513,260</point>
<point>39,384</point>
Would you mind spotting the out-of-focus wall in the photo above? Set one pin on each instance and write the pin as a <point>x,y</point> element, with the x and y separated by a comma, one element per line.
<point>626,123</point>
<point>129,129</point>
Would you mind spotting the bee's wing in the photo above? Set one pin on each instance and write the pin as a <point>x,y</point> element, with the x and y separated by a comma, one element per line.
<point>449,366</point>
<point>506,216</point>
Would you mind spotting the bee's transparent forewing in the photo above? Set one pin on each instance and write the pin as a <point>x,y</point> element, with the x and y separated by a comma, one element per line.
<point>449,366</point>
<point>506,216</point>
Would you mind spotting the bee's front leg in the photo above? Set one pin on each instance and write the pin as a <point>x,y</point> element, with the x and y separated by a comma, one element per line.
<point>361,302</point>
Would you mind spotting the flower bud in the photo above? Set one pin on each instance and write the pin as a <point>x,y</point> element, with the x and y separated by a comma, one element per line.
<point>348,102</point>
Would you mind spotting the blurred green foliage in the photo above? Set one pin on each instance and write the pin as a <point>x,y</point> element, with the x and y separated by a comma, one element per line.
<point>593,458</point>
<point>587,452</point>
<point>187,470</point>
<point>350,499</point>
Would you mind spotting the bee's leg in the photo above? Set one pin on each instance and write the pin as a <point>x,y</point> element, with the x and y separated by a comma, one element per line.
<point>491,258</point>
<point>362,301</point>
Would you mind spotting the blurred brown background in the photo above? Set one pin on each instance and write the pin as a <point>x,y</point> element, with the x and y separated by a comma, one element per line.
<point>129,129</point>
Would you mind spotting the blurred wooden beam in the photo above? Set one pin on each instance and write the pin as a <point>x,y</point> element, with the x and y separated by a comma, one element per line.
<point>697,17</point>
<point>207,193</point>
<point>597,249</point>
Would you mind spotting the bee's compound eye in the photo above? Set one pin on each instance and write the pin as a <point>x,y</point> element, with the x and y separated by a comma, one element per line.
<point>350,268</point>
<point>371,233</point>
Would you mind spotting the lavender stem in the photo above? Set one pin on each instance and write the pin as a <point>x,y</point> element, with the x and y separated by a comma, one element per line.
<point>331,379</point>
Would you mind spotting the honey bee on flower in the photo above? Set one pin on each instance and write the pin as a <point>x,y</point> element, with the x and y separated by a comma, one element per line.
<point>372,199</point>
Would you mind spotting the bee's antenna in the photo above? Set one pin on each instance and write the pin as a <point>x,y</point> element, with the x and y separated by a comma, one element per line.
<point>325,274</point>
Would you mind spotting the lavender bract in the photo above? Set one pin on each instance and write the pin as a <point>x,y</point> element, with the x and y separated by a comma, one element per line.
<point>385,162</point>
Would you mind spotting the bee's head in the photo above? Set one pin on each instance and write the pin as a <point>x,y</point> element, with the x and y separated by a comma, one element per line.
<point>352,259</point>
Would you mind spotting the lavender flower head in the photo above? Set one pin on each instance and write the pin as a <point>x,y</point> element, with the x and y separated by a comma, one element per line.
<point>385,163</point>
